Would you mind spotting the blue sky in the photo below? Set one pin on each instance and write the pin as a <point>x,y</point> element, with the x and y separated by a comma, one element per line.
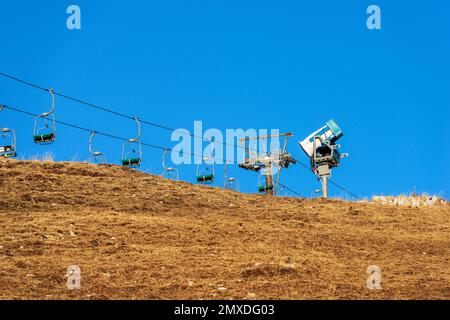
<point>289,65</point>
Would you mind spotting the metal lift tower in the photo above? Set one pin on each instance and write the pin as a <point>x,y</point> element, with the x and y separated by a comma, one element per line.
<point>265,163</point>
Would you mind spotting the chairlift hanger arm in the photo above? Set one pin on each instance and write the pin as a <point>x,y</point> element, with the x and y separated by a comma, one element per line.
<point>90,141</point>
<point>225,167</point>
<point>52,93</point>
<point>164,158</point>
<point>138,138</point>
<point>211,157</point>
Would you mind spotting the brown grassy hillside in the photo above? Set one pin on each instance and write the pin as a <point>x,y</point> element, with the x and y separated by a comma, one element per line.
<point>137,236</point>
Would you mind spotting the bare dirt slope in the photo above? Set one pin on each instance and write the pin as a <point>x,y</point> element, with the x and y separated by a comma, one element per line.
<point>137,236</point>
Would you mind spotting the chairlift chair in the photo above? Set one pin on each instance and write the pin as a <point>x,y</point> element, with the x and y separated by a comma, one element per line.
<point>45,125</point>
<point>265,181</point>
<point>230,183</point>
<point>205,171</point>
<point>132,150</point>
<point>168,172</point>
<point>7,143</point>
<point>95,157</point>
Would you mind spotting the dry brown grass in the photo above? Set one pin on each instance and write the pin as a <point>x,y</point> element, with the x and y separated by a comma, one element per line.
<point>137,236</point>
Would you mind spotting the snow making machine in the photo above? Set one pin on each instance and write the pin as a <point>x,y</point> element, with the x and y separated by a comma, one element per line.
<point>322,150</point>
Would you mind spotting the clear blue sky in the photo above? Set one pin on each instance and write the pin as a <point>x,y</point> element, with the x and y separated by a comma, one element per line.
<point>290,65</point>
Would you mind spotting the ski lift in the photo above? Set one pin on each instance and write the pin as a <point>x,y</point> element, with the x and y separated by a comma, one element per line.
<point>45,125</point>
<point>95,156</point>
<point>230,183</point>
<point>132,150</point>
<point>7,143</point>
<point>168,172</point>
<point>265,181</point>
<point>205,171</point>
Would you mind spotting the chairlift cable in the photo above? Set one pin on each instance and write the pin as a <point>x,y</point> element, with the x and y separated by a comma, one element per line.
<point>96,106</point>
<point>289,189</point>
<point>343,189</point>
<point>100,133</point>
<point>329,180</point>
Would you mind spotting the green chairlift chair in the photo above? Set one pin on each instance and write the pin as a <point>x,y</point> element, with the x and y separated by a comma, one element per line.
<point>132,150</point>
<point>45,125</point>
<point>205,170</point>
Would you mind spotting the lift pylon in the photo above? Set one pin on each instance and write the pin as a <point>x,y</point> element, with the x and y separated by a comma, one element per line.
<point>264,163</point>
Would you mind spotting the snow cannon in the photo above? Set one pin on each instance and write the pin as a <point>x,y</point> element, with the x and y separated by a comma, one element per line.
<point>330,132</point>
<point>322,150</point>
